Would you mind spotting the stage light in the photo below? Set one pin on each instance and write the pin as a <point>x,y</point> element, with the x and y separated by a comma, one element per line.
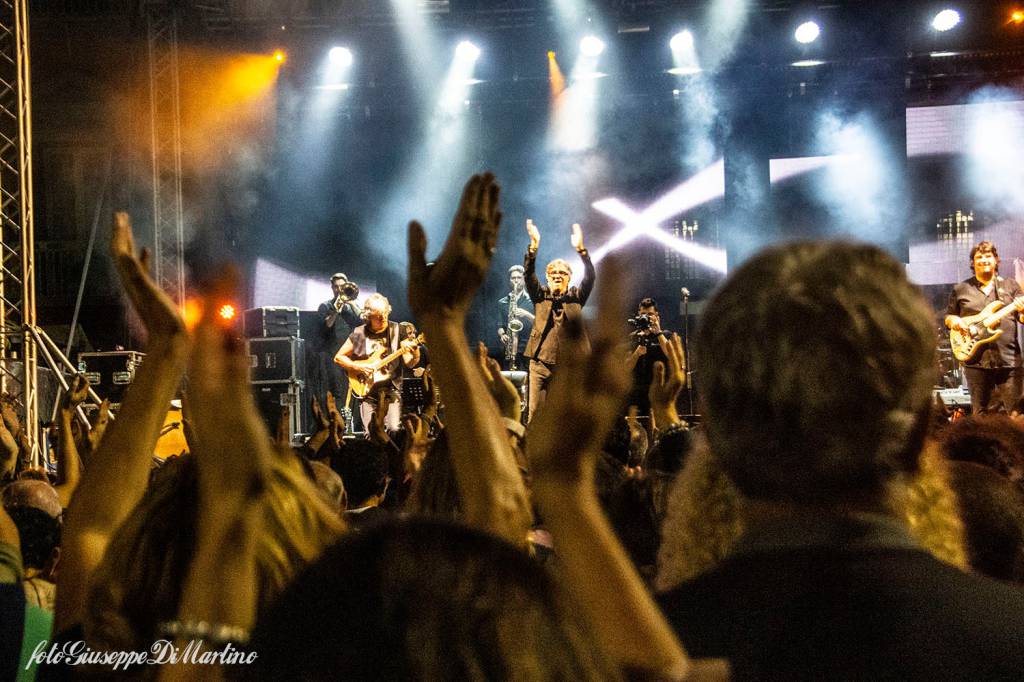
<point>191,312</point>
<point>279,56</point>
<point>227,312</point>
<point>803,63</point>
<point>945,20</point>
<point>591,46</point>
<point>556,78</point>
<point>342,56</point>
<point>1017,17</point>
<point>707,185</point>
<point>684,55</point>
<point>807,32</point>
<point>681,41</point>
<point>467,51</point>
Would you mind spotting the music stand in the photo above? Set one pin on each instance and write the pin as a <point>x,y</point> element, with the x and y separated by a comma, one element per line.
<point>414,394</point>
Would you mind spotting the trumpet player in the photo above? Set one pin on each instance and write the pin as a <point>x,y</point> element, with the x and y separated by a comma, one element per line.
<point>338,317</point>
<point>515,314</point>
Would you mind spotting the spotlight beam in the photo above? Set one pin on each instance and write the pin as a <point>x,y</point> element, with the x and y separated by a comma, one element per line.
<point>641,224</point>
<point>707,185</point>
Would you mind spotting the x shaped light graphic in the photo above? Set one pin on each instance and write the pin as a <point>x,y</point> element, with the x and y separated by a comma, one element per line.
<point>705,186</point>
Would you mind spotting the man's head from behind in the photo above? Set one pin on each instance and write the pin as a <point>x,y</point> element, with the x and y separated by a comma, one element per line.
<point>817,375</point>
<point>363,467</point>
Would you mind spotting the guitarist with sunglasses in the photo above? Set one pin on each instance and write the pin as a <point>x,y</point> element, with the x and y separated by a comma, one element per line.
<point>982,318</point>
<point>372,355</point>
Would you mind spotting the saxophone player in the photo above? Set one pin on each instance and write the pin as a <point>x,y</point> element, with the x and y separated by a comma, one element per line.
<point>515,313</point>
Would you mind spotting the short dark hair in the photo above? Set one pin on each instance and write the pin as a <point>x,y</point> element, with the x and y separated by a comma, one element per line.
<point>338,275</point>
<point>647,302</point>
<point>817,379</point>
<point>984,247</point>
<point>363,467</point>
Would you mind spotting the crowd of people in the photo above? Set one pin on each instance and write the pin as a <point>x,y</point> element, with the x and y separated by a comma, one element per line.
<point>825,521</point>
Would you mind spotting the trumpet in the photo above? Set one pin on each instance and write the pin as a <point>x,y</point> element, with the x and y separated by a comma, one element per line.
<point>349,292</point>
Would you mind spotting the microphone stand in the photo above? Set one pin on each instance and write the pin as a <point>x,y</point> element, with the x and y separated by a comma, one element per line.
<point>686,348</point>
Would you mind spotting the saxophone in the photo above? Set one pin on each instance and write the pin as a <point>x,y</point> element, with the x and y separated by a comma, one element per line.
<point>514,325</point>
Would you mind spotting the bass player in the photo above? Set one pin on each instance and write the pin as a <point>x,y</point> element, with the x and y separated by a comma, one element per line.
<point>378,337</point>
<point>994,375</point>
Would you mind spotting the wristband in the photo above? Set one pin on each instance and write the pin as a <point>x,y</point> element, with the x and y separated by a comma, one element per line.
<point>212,633</point>
<point>673,429</point>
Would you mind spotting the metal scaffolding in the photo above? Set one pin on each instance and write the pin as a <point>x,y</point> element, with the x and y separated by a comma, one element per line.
<point>17,257</point>
<point>165,118</point>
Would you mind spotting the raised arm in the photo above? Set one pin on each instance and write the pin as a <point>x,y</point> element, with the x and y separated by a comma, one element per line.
<point>667,382</point>
<point>493,493</point>
<point>69,464</point>
<point>233,457</point>
<point>565,438</point>
<point>119,468</point>
<point>530,264</point>
<point>589,273</point>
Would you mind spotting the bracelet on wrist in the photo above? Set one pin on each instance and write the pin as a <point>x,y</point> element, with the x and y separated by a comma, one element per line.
<point>673,429</point>
<point>217,634</point>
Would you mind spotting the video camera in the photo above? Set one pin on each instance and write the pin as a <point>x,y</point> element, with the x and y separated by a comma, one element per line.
<point>642,330</point>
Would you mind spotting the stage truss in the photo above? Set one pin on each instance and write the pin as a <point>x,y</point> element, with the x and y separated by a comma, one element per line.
<point>17,256</point>
<point>165,118</point>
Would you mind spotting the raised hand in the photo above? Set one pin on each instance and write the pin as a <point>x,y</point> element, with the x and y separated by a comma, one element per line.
<point>77,393</point>
<point>319,418</point>
<point>493,493</point>
<point>9,413</point>
<point>9,450</point>
<point>156,309</point>
<point>565,437</point>
<point>577,237</point>
<point>99,426</point>
<point>417,441</point>
<point>534,233</point>
<point>376,430</point>
<point>501,389</point>
<point>446,288</point>
<point>667,382</point>
<point>332,406</point>
<point>282,437</point>
<point>234,448</point>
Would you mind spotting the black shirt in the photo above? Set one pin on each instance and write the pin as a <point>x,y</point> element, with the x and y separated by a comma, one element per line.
<point>968,299</point>
<point>331,337</point>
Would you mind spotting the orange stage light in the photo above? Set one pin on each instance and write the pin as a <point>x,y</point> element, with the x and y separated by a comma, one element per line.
<point>227,312</point>
<point>279,55</point>
<point>192,312</point>
<point>1017,17</point>
<point>555,77</point>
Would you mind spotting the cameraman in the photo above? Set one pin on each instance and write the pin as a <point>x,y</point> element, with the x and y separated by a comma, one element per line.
<point>647,351</point>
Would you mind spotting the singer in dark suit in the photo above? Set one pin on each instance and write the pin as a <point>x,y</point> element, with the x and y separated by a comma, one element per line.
<point>551,304</point>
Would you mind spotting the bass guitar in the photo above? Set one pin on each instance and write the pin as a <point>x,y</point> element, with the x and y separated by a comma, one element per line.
<point>373,370</point>
<point>981,329</point>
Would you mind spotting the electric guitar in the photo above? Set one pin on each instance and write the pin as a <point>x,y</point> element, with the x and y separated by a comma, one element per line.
<point>377,363</point>
<point>981,329</point>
